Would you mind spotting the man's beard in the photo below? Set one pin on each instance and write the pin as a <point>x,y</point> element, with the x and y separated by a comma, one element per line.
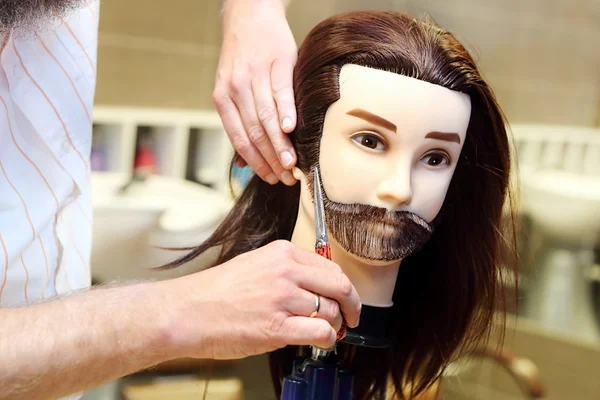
<point>33,15</point>
<point>374,233</point>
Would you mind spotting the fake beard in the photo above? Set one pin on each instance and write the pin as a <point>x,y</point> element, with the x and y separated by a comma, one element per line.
<point>375,233</point>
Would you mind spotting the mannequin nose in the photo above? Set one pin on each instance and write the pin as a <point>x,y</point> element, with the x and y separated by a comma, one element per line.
<point>396,190</point>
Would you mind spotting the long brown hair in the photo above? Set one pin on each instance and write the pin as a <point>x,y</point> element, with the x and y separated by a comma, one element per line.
<point>447,293</point>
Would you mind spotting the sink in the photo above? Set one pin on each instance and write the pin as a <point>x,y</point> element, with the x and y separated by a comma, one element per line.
<point>559,178</point>
<point>566,205</point>
<point>131,227</point>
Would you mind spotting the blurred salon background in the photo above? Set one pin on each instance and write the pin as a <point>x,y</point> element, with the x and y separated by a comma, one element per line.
<point>154,120</point>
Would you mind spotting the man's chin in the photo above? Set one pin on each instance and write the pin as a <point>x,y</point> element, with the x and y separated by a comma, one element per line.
<point>31,16</point>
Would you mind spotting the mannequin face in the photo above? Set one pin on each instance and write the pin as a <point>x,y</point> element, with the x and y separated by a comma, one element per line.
<point>390,143</point>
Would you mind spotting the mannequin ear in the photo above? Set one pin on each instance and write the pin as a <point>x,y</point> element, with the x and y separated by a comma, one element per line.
<point>298,174</point>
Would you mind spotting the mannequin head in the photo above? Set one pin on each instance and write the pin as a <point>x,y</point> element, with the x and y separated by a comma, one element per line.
<point>401,123</point>
<point>388,149</point>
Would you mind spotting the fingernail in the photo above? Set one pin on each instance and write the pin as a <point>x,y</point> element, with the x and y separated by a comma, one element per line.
<point>287,177</point>
<point>272,178</point>
<point>286,158</point>
<point>287,122</point>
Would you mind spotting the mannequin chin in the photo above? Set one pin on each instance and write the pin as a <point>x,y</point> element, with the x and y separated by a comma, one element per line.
<point>386,162</point>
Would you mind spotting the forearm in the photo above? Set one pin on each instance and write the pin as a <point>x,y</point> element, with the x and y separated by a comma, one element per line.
<point>285,3</point>
<point>262,3</point>
<point>60,347</point>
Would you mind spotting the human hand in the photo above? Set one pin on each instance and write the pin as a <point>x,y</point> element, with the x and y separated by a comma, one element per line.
<point>253,90</point>
<point>261,301</point>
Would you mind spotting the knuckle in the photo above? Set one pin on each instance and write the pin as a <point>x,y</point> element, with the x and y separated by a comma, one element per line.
<point>345,286</point>
<point>256,133</point>
<point>337,268</point>
<point>261,168</point>
<point>220,98</point>
<point>287,271</point>
<point>330,309</point>
<point>267,113</point>
<point>256,66</point>
<point>324,335</point>
<point>335,309</point>
<point>239,144</point>
<point>273,326</point>
<point>339,320</point>
<point>281,292</point>
<point>284,247</point>
<point>238,82</point>
<point>220,74</point>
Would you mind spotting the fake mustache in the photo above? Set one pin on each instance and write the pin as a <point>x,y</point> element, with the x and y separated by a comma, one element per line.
<point>374,214</point>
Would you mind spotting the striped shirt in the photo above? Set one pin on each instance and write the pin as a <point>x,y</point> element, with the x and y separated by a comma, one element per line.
<point>47,84</point>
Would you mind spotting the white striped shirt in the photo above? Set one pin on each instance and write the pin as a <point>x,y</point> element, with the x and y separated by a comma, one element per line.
<point>47,84</point>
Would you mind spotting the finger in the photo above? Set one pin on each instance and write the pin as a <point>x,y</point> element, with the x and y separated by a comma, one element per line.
<point>304,304</point>
<point>267,114</point>
<point>237,135</point>
<point>282,73</point>
<point>303,331</point>
<point>333,284</point>
<point>327,278</point>
<point>245,102</point>
<point>239,161</point>
<point>310,258</point>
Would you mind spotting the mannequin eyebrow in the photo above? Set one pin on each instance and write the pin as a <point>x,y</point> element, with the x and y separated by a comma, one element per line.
<point>372,118</point>
<point>377,120</point>
<point>449,137</point>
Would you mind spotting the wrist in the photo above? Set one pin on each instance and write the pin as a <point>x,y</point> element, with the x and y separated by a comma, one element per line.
<point>157,303</point>
<point>180,331</point>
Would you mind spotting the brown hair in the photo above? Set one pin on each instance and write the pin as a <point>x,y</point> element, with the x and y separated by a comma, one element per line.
<point>446,293</point>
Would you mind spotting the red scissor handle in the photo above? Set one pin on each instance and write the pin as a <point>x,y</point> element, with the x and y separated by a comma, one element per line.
<point>324,250</point>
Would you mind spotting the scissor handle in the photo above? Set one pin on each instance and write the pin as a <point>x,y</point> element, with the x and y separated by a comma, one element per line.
<point>324,250</point>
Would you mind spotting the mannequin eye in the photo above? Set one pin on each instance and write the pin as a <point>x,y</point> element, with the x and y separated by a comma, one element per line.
<point>369,141</point>
<point>436,159</point>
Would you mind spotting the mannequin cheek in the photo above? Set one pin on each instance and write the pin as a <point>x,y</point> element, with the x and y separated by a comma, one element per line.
<point>351,179</point>
<point>429,200</point>
<point>350,188</point>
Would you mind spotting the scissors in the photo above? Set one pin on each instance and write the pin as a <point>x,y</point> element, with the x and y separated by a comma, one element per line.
<point>323,248</point>
<point>373,330</point>
<point>316,378</point>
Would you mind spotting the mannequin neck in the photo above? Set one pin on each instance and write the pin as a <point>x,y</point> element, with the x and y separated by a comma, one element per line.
<point>374,282</point>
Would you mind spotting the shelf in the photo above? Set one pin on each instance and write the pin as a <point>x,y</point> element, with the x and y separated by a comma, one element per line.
<point>187,144</point>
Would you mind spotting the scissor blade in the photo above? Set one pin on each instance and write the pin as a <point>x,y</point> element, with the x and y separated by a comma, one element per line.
<point>320,227</point>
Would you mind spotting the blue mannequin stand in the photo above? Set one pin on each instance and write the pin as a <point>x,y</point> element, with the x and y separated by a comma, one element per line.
<point>317,380</point>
